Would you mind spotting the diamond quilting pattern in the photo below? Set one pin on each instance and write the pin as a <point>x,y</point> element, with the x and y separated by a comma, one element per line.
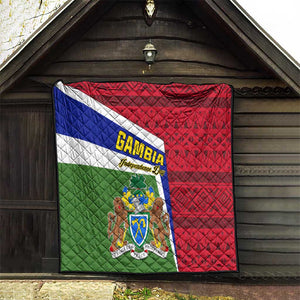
<point>190,127</point>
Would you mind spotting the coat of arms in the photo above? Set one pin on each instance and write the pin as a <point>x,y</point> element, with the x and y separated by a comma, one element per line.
<point>138,214</point>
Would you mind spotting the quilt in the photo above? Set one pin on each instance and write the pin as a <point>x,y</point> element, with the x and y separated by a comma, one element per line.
<point>145,177</point>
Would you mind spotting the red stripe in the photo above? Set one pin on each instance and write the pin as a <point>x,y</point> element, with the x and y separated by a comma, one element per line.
<point>205,250</point>
<point>193,177</point>
<point>174,95</point>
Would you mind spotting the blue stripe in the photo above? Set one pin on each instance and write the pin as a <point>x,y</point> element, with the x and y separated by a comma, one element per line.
<point>77,120</point>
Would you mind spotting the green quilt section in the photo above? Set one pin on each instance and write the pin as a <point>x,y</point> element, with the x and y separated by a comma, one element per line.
<point>86,197</point>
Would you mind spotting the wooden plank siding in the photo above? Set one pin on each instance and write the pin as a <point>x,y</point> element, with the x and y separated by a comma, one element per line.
<point>266,135</point>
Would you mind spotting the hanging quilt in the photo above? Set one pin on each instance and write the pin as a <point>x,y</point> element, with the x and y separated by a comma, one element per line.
<point>145,177</point>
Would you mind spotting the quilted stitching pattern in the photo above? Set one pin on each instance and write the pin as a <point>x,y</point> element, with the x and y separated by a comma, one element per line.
<point>194,123</point>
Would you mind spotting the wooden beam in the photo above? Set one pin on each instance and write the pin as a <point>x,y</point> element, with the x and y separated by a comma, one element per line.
<point>163,68</point>
<point>266,170</point>
<point>28,204</point>
<point>268,204</point>
<point>270,218</point>
<point>149,77</point>
<point>267,159</point>
<point>278,246</point>
<point>272,232</point>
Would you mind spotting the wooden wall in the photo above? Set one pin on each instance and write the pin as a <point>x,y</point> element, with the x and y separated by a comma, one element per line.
<point>266,134</point>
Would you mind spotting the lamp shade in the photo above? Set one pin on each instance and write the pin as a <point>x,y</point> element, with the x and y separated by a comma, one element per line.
<point>149,53</point>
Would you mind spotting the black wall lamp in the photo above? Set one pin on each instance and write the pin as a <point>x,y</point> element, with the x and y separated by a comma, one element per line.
<point>149,52</point>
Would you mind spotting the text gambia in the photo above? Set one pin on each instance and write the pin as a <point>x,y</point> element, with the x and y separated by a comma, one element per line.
<point>127,143</point>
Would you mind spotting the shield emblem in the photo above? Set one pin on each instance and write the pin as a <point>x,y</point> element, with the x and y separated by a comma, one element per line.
<point>139,224</point>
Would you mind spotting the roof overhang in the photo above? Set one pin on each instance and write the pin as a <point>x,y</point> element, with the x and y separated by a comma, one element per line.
<point>233,18</point>
<point>227,13</point>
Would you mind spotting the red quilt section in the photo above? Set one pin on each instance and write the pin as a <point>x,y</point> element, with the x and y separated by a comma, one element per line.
<point>195,123</point>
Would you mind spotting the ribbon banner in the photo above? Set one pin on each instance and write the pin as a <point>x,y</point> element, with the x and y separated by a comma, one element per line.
<point>145,177</point>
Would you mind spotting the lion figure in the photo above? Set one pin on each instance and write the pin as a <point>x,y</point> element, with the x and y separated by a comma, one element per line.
<point>160,232</point>
<point>119,218</point>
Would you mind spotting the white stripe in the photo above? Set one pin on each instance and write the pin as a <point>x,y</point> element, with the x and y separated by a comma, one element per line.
<point>112,115</point>
<point>75,151</point>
